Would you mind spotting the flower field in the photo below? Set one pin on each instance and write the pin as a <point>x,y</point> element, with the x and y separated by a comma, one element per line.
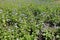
<point>29,20</point>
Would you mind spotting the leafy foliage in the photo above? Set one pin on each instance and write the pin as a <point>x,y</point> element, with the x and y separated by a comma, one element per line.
<point>25,22</point>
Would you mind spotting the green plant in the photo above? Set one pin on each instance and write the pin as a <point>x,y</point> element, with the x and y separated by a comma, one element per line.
<point>22,21</point>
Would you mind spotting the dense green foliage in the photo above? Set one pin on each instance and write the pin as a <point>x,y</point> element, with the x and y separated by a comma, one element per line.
<point>25,21</point>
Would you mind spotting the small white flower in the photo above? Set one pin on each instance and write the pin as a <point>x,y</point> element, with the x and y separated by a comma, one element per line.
<point>57,36</point>
<point>17,39</point>
<point>22,14</point>
<point>16,25</point>
<point>12,30</point>
<point>1,11</point>
<point>37,25</point>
